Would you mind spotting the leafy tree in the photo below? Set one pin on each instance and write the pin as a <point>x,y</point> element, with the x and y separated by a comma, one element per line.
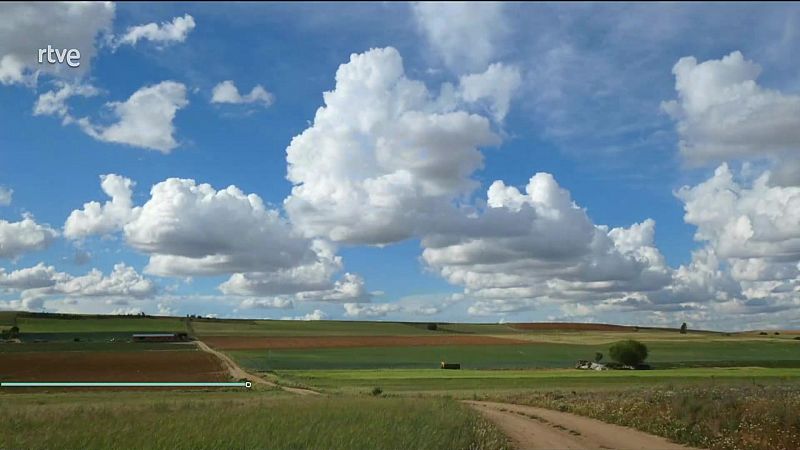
<point>630,352</point>
<point>432,327</point>
<point>598,357</point>
<point>683,328</point>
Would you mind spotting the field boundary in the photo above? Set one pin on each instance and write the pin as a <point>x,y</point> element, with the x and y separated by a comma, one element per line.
<point>237,372</point>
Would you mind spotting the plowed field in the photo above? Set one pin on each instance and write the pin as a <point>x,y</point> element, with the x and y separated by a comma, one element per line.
<point>167,366</point>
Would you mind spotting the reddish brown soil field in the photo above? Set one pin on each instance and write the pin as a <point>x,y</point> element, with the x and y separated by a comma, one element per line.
<point>253,343</point>
<point>174,366</point>
<point>555,326</point>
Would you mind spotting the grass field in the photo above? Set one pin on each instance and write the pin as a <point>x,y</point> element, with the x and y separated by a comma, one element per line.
<point>240,421</point>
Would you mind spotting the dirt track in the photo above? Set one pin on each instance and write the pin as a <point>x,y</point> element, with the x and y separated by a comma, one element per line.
<point>532,428</point>
<point>253,343</point>
<point>237,373</point>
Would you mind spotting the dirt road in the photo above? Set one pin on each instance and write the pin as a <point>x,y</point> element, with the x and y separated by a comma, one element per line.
<point>237,373</point>
<point>538,428</point>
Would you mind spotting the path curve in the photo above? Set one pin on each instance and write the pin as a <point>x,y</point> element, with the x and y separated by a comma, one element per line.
<point>531,428</point>
<point>237,373</point>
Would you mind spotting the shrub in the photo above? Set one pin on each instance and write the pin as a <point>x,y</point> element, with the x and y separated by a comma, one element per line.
<point>432,327</point>
<point>763,333</point>
<point>598,357</point>
<point>376,391</point>
<point>630,352</point>
<point>11,333</point>
<point>683,328</point>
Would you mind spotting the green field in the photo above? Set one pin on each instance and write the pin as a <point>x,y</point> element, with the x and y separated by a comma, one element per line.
<point>780,353</point>
<point>238,420</point>
<point>60,324</point>
<point>286,328</point>
<point>7,318</point>
<point>400,381</point>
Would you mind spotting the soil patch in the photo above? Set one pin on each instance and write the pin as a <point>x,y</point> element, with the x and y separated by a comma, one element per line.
<point>145,366</point>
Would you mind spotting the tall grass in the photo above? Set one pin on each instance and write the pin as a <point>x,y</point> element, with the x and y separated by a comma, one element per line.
<point>264,423</point>
<point>721,417</point>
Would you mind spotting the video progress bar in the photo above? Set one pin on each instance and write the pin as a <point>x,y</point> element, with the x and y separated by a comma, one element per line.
<point>242,384</point>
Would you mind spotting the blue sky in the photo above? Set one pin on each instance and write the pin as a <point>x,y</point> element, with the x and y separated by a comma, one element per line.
<point>392,215</point>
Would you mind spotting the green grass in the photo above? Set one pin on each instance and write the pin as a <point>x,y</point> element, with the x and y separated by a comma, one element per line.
<point>535,355</point>
<point>80,324</point>
<point>488,380</point>
<point>166,422</point>
<point>7,318</point>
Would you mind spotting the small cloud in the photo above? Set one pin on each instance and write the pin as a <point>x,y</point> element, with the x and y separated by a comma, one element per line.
<point>164,34</point>
<point>5,195</point>
<point>317,314</point>
<point>226,92</point>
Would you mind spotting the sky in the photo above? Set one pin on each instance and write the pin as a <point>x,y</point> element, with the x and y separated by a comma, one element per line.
<point>482,162</point>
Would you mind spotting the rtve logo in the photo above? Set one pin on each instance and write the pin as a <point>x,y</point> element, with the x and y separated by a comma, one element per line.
<point>55,56</point>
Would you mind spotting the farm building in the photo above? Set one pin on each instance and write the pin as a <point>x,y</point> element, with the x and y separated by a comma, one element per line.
<point>160,337</point>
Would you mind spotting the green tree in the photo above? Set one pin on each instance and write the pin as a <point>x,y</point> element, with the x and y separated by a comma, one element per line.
<point>598,357</point>
<point>683,328</point>
<point>630,352</point>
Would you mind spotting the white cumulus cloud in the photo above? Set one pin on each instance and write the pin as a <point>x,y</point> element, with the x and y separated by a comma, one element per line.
<point>190,229</point>
<point>539,247</point>
<point>39,283</point>
<point>722,114</point>
<point>145,120</point>
<point>97,219</point>
<point>381,158</point>
<point>494,87</point>
<point>24,236</point>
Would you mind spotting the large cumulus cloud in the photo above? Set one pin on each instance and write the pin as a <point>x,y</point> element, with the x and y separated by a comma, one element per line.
<point>383,157</point>
<point>723,114</point>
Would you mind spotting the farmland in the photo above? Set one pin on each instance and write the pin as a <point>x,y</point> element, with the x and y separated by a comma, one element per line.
<point>370,374</point>
<point>518,355</point>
